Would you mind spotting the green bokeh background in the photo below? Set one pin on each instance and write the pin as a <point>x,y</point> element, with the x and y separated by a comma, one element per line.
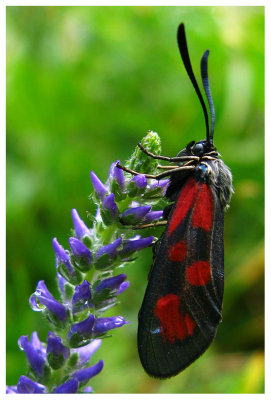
<point>84,84</point>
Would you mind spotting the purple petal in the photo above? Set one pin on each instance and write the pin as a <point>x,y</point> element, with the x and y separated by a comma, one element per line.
<point>83,328</point>
<point>110,205</point>
<point>117,174</point>
<point>57,353</point>
<point>123,287</point>
<point>105,324</point>
<point>140,181</point>
<point>81,253</point>
<point>109,249</point>
<point>133,215</point>
<point>153,215</point>
<point>111,283</point>
<point>82,296</point>
<point>35,358</point>
<point>37,345</point>
<point>86,352</point>
<point>80,227</point>
<point>43,296</point>
<point>26,385</point>
<point>162,184</point>
<point>135,245</point>
<point>85,374</point>
<point>88,389</point>
<point>71,386</point>
<point>62,257</point>
<point>98,186</point>
<point>11,389</point>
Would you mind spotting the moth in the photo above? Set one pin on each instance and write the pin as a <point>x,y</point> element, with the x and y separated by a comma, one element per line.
<point>182,305</point>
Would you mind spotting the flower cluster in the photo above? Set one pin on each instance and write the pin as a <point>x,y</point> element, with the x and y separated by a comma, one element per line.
<point>87,280</point>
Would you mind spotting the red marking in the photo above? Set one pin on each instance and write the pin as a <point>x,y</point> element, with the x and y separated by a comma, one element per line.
<point>186,198</point>
<point>204,208</point>
<point>199,273</point>
<point>177,252</point>
<point>173,324</point>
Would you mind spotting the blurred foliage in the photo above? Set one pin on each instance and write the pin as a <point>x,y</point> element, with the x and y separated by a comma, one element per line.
<point>84,84</point>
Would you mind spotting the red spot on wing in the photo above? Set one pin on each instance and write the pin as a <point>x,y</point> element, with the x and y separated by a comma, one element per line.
<point>186,198</point>
<point>199,273</point>
<point>174,325</point>
<point>177,252</point>
<point>202,216</point>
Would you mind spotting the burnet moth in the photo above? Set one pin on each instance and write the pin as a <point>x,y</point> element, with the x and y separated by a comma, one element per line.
<point>182,305</point>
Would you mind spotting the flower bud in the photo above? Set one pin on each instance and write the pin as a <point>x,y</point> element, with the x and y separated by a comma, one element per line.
<point>140,161</point>
<point>84,353</point>
<point>83,375</point>
<point>81,230</point>
<point>133,216</point>
<point>132,245</point>
<point>99,188</point>
<point>81,254</point>
<point>34,355</point>
<point>64,266</point>
<point>156,189</point>
<point>82,297</point>
<point>109,210</point>
<point>70,386</point>
<point>103,325</point>
<point>112,283</point>
<point>57,312</point>
<point>81,332</point>
<point>26,385</point>
<point>137,185</point>
<point>116,181</point>
<point>106,254</point>
<point>57,353</point>
<point>153,216</point>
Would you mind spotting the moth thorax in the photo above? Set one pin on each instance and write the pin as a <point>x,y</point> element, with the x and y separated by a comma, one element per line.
<point>202,172</point>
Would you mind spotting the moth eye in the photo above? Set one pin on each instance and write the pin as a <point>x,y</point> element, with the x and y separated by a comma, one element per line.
<point>198,149</point>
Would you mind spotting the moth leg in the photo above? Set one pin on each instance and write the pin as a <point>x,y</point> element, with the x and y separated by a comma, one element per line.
<point>169,159</point>
<point>168,167</point>
<point>152,225</point>
<point>159,176</point>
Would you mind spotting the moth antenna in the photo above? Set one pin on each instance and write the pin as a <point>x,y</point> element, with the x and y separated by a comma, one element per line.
<point>206,85</point>
<point>186,61</point>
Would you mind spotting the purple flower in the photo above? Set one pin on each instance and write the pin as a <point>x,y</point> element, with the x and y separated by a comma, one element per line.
<point>88,389</point>
<point>152,216</point>
<point>99,188</point>
<point>140,181</point>
<point>105,324</point>
<point>156,188</point>
<point>81,298</point>
<point>26,385</point>
<point>11,389</point>
<point>136,244</point>
<point>83,375</point>
<point>80,227</point>
<point>70,386</point>
<point>84,353</point>
<point>42,296</point>
<point>109,209</point>
<point>57,353</point>
<point>81,254</point>
<point>111,283</point>
<point>134,215</point>
<point>105,255</point>
<point>64,266</point>
<point>35,353</point>
<point>80,332</point>
<point>117,175</point>
<point>123,287</point>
